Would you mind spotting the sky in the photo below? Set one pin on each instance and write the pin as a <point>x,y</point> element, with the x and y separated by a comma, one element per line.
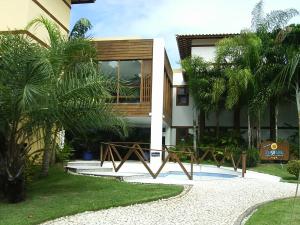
<point>166,18</point>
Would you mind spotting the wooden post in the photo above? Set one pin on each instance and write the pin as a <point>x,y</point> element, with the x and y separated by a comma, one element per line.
<point>244,163</point>
<point>192,165</point>
<point>101,152</point>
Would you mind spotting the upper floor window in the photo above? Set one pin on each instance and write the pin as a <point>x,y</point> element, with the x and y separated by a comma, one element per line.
<point>127,74</point>
<point>182,96</point>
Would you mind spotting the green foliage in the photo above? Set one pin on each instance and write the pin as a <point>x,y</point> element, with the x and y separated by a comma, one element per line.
<point>275,169</point>
<point>293,167</point>
<point>65,153</point>
<point>80,28</point>
<point>206,82</point>
<point>252,157</point>
<point>277,212</point>
<point>276,19</point>
<point>61,194</point>
<point>227,139</point>
<point>294,145</point>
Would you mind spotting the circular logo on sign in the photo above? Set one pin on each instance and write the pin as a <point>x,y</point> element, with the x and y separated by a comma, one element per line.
<point>273,146</point>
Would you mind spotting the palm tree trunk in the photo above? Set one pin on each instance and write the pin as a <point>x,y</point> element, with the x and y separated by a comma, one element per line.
<point>276,122</point>
<point>273,120</point>
<point>236,119</point>
<point>47,151</point>
<point>217,123</point>
<point>249,129</point>
<point>201,124</point>
<point>258,130</point>
<point>298,110</point>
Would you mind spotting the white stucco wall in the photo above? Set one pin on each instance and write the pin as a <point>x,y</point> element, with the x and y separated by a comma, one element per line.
<point>16,14</point>
<point>181,115</point>
<point>206,52</point>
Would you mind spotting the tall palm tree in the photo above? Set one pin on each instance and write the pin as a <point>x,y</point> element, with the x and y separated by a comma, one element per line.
<point>24,78</point>
<point>272,28</point>
<point>207,85</point>
<point>79,94</point>
<point>239,56</point>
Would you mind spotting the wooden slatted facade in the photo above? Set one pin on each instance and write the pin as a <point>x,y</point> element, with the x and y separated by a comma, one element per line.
<point>168,80</point>
<point>138,49</point>
<point>133,109</point>
<point>124,49</point>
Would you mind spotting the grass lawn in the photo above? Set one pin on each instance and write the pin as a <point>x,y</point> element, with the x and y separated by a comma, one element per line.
<point>276,213</point>
<point>276,170</point>
<point>62,194</point>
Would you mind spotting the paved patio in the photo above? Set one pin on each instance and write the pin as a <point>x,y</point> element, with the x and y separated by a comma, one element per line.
<point>209,201</point>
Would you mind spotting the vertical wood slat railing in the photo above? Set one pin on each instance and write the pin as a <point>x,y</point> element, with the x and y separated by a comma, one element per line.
<point>146,88</point>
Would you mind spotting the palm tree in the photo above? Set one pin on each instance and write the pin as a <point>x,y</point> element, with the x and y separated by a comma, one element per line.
<point>239,56</point>
<point>79,94</point>
<point>271,29</point>
<point>24,78</point>
<point>207,85</point>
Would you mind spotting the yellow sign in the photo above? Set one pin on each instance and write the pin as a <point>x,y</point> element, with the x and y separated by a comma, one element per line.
<point>273,146</point>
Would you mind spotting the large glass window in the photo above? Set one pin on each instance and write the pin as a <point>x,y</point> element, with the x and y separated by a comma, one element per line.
<point>127,75</point>
<point>130,77</point>
<point>110,69</point>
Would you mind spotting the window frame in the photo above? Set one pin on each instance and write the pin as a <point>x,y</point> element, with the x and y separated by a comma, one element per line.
<point>182,95</point>
<point>118,96</point>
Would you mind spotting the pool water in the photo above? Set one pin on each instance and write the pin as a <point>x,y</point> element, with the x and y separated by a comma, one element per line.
<point>198,174</point>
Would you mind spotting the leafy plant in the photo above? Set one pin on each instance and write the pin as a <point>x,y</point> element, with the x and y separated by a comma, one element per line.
<point>252,157</point>
<point>65,153</point>
<point>293,167</point>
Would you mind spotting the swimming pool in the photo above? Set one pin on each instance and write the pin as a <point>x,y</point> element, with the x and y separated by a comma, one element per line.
<point>197,175</point>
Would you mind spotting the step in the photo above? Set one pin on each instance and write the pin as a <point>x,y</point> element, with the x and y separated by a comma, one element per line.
<point>83,163</point>
<point>79,169</point>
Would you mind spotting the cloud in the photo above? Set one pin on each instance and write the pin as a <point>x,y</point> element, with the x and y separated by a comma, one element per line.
<point>166,18</point>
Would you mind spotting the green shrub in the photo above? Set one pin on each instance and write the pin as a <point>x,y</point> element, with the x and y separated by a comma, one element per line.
<point>293,167</point>
<point>64,154</point>
<point>252,157</point>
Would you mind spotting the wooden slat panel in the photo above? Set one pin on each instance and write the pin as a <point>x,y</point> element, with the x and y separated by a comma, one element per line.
<point>167,105</point>
<point>133,109</point>
<point>124,49</point>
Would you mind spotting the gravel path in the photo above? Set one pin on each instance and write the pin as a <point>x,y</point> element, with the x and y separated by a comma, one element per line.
<point>215,202</point>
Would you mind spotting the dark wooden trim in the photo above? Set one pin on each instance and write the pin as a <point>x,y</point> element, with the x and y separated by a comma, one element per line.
<point>204,45</point>
<point>50,14</point>
<point>82,2</point>
<point>26,32</point>
<point>242,127</point>
<point>67,4</point>
<point>181,85</point>
<point>263,128</point>
<point>182,127</point>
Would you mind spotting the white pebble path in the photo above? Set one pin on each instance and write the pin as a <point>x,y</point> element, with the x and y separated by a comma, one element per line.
<point>214,202</point>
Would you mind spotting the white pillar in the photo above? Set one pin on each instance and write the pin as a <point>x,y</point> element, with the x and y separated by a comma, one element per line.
<point>157,102</point>
<point>168,138</point>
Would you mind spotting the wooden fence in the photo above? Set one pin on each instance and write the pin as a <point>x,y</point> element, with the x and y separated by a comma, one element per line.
<point>111,152</point>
